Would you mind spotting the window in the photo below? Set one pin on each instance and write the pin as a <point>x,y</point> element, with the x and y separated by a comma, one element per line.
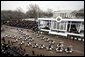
<point>58,25</point>
<point>41,23</point>
<point>61,25</point>
<point>44,24</point>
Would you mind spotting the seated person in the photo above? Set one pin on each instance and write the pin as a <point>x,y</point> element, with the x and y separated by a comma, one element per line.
<point>69,49</point>
<point>59,49</point>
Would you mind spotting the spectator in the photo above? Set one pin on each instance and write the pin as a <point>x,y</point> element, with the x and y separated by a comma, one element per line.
<point>33,53</point>
<point>20,47</point>
<point>8,41</point>
<point>3,39</point>
<point>11,42</point>
<point>24,51</point>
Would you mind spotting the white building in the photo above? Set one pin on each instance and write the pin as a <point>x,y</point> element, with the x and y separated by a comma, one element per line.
<point>63,14</point>
<point>61,26</point>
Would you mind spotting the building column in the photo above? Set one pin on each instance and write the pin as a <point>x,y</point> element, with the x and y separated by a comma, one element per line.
<point>70,26</point>
<point>66,25</point>
<point>80,27</point>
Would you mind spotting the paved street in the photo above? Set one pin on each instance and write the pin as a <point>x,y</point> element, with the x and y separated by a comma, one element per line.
<point>78,46</point>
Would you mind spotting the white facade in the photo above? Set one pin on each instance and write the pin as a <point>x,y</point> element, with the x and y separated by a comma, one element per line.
<point>60,27</point>
<point>63,14</point>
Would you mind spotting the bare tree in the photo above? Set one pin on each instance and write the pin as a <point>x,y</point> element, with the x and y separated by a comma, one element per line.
<point>20,11</point>
<point>49,12</point>
<point>33,10</point>
<point>79,13</point>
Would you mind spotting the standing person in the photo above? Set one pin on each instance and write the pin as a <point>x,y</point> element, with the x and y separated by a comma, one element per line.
<point>24,50</point>
<point>33,53</point>
<point>8,41</point>
<point>11,42</point>
<point>20,47</point>
<point>3,39</point>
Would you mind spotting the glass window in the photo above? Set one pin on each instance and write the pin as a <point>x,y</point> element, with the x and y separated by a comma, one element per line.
<point>41,23</point>
<point>58,25</point>
<point>61,26</point>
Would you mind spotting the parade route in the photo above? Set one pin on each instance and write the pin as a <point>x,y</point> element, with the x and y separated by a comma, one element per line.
<point>78,46</point>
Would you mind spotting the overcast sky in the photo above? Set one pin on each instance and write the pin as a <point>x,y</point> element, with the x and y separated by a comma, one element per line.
<point>44,5</point>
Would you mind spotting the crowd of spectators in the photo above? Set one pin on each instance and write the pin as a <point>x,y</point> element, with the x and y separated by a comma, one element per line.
<point>22,24</point>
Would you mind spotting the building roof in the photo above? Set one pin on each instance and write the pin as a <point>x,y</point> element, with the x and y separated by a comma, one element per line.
<point>29,19</point>
<point>61,19</point>
<point>63,11</point>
